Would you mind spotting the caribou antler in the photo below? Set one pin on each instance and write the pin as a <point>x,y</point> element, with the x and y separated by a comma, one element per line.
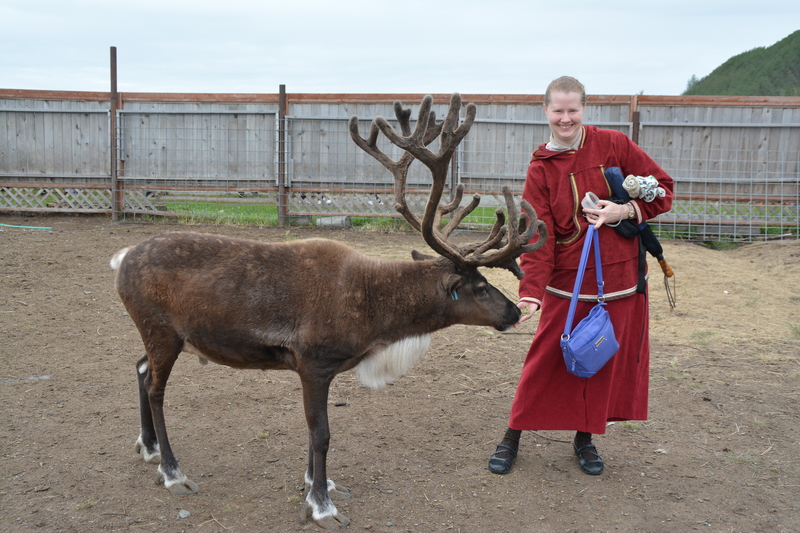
<point>427,132</point>
<point>505,243</point>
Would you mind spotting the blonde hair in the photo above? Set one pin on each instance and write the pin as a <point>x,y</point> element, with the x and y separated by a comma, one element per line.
<point>565,84</point>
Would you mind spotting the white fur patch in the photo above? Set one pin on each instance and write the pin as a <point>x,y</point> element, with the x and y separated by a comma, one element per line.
<point>318,512</point>
<point>148,457</point>
<point>118,257</point>
<point>143,367</point>
<point>309,481</point>
<point>179,478</point>
<point>386,366</point>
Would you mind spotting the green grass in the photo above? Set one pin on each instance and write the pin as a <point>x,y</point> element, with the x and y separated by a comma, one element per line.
<point>484,216</point>
<point>673,374</point>
<point>746,458</point>
<point>752,302</point>
<point>380,223</point>
<point>722,245</point>
<point>758,422</point>
<point>264,215</point>
<point>267,215</point>
<point>702,337</point>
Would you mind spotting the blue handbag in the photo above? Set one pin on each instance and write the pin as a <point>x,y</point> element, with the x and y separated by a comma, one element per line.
<point>592,343</point>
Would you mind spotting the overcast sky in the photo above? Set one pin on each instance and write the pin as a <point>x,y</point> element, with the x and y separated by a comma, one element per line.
<point>375,46</point>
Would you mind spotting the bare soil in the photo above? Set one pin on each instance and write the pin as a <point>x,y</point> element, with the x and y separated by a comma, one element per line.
<point>720,452</point>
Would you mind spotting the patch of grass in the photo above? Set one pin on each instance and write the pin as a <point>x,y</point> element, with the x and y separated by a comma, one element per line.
<point>780,230</point>
<point>722,246</point>
<point>702,337</point>
<point>795,330</point>
<point>673,374</point>
<point>629,424</point>
<point>752,302</point>
<point>761,422</point>
<point>380,223</point>
<point>483,215</point>
<point>86,504</point>
<point>742,458</point>
<point>228,213</point>
<point>264,215</point>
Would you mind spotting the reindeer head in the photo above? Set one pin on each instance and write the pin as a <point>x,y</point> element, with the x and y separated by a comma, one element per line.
<point>506,241</point>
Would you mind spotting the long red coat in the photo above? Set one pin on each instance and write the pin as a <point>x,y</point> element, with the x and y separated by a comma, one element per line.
<point>548,397</point>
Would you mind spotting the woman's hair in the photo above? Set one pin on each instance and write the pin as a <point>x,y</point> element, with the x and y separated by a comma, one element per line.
<point>565,84</point>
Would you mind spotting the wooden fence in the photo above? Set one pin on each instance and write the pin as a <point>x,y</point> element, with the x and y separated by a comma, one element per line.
<point>735,160</point>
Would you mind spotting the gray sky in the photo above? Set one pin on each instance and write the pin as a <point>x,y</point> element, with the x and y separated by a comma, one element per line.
<point>377,46</point>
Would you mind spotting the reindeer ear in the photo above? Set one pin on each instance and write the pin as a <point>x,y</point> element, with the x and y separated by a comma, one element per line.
<point>418,256</point>
<point>452,284</point>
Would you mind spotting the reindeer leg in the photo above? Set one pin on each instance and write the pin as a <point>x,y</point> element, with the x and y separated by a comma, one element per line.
<point>153,379</point>
<point>336,492</point>
<point>147,443</point>
<point>318,505</point>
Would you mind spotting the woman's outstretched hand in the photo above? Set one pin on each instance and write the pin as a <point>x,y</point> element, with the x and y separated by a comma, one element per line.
<point>526,306</point>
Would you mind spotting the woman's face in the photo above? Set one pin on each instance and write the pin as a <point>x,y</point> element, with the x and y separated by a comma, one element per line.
<point>565,115</point>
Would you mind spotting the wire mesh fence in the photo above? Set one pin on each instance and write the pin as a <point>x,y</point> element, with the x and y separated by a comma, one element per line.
<point>751,194</point>
<point>218,164</point>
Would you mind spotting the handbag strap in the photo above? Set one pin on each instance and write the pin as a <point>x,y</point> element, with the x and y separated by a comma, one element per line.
<point>591,235</point>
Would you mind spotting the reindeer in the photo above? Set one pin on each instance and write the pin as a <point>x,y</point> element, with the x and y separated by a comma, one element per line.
<point>317,306</point>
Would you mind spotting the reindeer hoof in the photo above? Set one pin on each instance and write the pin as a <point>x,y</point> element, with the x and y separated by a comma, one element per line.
<point>153,456</point>
<point>187,486</point>
<point>338,492</point>
<point>178,483</point>
<point>331,522</point>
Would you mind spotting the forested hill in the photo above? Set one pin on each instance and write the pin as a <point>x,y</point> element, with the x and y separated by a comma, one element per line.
<point>770,71</point>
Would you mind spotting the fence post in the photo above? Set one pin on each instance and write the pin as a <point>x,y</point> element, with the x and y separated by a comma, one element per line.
<point>635,123</point>
<point>116,190</point>
<point>283,203</point>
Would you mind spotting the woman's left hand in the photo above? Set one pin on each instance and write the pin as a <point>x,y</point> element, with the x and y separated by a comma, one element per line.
<point>608,213</point>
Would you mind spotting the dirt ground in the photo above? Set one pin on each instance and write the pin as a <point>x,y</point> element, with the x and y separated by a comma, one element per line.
<point>720,452</point>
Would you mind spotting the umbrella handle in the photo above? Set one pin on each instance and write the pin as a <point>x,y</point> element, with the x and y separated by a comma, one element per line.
<point>666,268</point>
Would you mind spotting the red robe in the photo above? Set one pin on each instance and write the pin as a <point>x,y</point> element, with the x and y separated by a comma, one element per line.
<point>548,397</point>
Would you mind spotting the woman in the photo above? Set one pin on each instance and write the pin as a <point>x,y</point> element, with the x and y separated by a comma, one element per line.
<point>561,172</point>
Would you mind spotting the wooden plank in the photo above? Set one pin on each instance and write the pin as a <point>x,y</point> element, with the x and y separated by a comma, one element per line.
<point>531,99</point>
<point>198,97</point>
<point>8,163</point>
<point>758,101</point>
<point>54,95</point>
